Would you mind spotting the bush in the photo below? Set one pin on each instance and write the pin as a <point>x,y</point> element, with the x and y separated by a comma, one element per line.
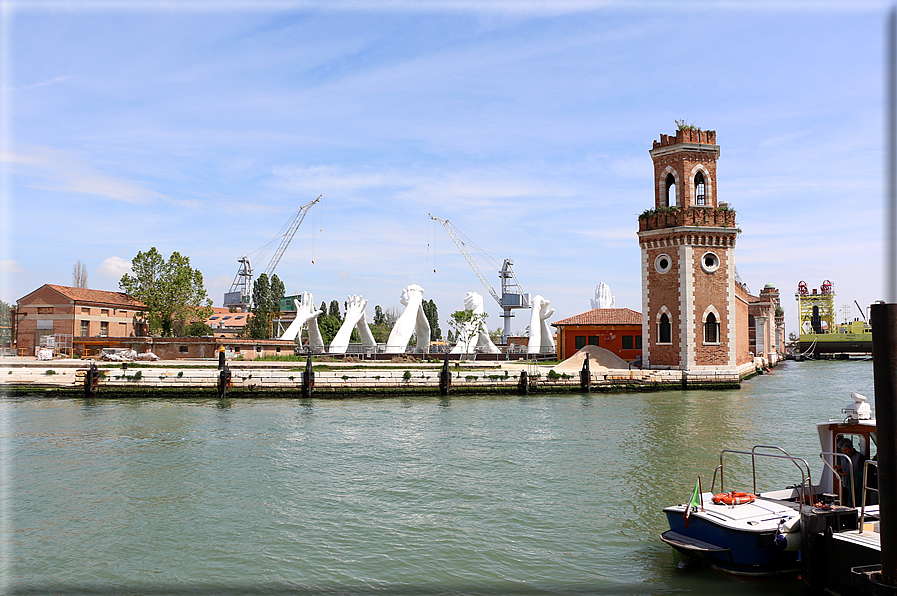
<point>553,375</point>
<point>48,372</point>
<point>407,375</point>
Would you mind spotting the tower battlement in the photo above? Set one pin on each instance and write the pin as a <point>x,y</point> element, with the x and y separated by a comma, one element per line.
<point>704,137</point>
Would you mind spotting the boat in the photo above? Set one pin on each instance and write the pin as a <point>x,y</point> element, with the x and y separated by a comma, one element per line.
<point>789,530</point>
<point>819,334</point>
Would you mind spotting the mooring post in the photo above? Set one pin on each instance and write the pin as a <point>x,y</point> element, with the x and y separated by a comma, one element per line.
<point>884,370</point>
<point>585,376</point>
<point>224,381</point>
<point>308,379</point>
<point>445,377</point>
<point>221,358</point>
<point>523,384</point>
<point>92,381</point>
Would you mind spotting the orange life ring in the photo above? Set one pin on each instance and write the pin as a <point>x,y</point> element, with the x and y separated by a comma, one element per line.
<point>734,498</point>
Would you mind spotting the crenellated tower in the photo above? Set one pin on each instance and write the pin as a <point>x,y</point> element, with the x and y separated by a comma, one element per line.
<point>687,250</point>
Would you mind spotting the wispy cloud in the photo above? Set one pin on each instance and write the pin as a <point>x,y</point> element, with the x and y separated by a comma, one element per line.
<point>114,267</point>
<point>64,172</point>
<point>40,84</point>
<point>10,266</point>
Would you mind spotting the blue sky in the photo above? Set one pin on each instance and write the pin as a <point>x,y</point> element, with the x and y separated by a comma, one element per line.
<point>201,127</point>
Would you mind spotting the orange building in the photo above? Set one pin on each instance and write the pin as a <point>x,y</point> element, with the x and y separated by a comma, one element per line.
<point>616,329</point>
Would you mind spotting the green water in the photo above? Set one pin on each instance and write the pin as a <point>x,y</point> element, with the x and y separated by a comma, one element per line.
<point>468,495</point>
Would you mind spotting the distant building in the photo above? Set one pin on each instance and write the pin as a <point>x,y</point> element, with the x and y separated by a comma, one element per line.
<point>75,318</point>
<point>616,329</point>
<point>225,323</point>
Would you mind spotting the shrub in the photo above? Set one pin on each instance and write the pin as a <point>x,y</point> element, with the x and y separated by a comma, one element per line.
<point>407,375</point>
<point>49,372</point>
<point>553,375</point>
<point>180,374</point>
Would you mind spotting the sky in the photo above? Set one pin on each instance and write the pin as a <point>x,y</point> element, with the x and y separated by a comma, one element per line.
<point>201,127</point>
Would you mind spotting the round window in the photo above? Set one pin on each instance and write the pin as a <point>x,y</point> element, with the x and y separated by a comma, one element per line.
<point>709,262</point>
<point>663,263</point>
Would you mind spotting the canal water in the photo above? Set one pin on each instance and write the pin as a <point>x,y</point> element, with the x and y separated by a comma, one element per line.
<point>543,494</point>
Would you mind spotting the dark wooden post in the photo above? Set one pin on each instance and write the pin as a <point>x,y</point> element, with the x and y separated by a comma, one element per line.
<point>445,377</point>
<point>308,379</point>
<point>221,358</point>
<point>884,366</point>
<point>224,381</point>
<point>91,381</point>
<point>585,375</point>
<point>523,384</point>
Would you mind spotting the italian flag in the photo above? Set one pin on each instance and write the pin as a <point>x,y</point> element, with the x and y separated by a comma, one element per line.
<point>695,501</point>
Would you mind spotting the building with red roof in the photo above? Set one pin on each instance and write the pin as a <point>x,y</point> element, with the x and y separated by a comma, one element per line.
<point>616,329</point>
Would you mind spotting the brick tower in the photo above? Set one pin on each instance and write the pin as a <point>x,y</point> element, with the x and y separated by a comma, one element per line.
<point>688,269</point>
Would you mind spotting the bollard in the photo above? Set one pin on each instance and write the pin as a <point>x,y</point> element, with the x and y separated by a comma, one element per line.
<point>308,379</point>
<point>92,381</point>
<point>221,358</point>
<point>445,377</point>
<point>585,376</point>
<point>224,381</point>
<point>523,384</point>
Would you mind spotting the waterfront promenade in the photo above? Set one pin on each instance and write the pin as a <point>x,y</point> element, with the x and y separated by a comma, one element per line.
<point>64,378</point>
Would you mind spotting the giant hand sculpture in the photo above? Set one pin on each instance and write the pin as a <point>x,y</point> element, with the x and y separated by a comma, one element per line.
<point>409,322</point>
<point>603,297</point>
<point>305,313</point>
<point>479,341</point>
<point>540,336</point>
<point>355,317</point>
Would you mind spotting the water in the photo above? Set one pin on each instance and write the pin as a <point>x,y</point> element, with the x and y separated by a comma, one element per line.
<point>469,495</point>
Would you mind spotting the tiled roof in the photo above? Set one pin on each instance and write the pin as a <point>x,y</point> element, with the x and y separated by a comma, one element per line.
<point>223,317</point>
<point>102,296</point>
<point>603,316</point>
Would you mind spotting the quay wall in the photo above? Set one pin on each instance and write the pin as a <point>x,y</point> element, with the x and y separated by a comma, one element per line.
<point>258,382</point>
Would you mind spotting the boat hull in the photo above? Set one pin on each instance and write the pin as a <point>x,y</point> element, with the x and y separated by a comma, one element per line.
<point>750,553</point>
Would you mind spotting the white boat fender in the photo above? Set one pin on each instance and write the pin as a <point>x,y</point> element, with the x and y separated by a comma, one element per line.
<point>789,541</point>
<point>791,524</point>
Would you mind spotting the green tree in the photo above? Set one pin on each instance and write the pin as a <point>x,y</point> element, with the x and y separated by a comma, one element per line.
<point>266,295</point>
<point>172,291</point>
<point>197,329</point>
<point>466,324</point>
<point>429,308</point>
<point>329,321</point>
<point>384,321</point>
<point>5,324</point>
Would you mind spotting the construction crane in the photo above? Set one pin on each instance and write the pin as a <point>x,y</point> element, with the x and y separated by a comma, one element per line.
<point>512,295</point>
<point>240,294</point>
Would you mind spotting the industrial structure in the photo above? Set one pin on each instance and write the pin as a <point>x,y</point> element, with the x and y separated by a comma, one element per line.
<point>240,294</point>
<point>512,296</point>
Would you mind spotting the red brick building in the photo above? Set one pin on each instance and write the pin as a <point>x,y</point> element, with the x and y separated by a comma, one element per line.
<point>694,311</point>
<point>616,329</point>
<point>78,316</point>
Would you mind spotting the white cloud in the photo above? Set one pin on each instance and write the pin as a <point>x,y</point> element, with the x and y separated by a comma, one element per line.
<point>40,84</point>
<point>114,267</point>
<point>61,171</point>
<point>11,266</point>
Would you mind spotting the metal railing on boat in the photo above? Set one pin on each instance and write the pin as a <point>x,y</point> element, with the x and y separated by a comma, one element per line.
<point>866,464</point>
<point>806,479</point>
<point>831,466</point>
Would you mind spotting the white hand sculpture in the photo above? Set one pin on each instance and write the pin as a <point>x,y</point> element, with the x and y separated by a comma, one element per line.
<point>479,341</point>
<point>412,297</point>
<point>367,338</point>
<point>603,297</point>
<point>305,313</point>
<point>422,332</point>
<point>547,336</point>
<point>354,313</point>
<point>538,327</point>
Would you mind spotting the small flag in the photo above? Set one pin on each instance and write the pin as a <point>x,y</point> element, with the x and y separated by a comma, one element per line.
<point>694,503</point>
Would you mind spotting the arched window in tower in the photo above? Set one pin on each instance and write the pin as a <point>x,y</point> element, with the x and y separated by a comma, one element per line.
<point>671,191</point>
<point>664,330</point>
<point>700,196</point>
<point>711,329</point>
